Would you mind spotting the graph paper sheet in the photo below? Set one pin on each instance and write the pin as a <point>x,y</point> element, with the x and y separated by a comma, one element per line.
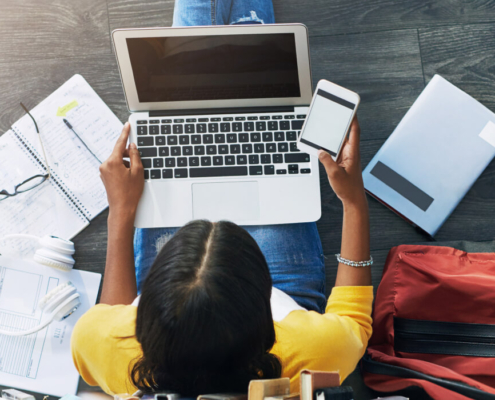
<point>40,362</point>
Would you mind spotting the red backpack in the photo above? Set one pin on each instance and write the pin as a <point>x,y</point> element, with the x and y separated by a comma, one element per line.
<point>434,324</point>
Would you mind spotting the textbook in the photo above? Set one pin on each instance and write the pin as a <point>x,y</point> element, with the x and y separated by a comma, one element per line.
<point>74,194</point>
<point>261,388</point>
<point>436,153</point>
<point>312,380</point>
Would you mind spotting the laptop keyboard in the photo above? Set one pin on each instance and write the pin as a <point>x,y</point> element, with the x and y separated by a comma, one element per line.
<point>223,146</point>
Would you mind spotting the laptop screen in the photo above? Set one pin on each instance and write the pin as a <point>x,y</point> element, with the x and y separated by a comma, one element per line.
<point>217,67</point>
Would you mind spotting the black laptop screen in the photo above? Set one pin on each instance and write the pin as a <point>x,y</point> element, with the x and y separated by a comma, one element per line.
<point>214,67</point>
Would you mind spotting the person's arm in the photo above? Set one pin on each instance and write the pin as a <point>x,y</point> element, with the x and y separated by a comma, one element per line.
<point>124,184</point>
<point>346,179</point>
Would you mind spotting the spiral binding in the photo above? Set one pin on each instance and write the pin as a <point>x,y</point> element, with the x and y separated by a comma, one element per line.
<point>30,152</point>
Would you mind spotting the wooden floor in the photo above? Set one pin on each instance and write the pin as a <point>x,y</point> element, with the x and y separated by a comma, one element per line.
<point>384,50</point>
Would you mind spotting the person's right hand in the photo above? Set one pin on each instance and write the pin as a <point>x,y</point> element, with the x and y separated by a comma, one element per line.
<point>345,174</point>
<point>124,181</point>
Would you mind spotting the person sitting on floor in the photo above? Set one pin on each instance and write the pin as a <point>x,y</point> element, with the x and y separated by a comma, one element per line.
<point>221,305</point>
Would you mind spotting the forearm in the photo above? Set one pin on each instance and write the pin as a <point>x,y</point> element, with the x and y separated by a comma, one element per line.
<point>355,245</point>
<point>119,283</point>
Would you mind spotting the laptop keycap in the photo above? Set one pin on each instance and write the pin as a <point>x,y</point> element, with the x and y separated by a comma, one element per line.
<point>267,137</point>
<point>199,150</point>
<point>297,158</point>
<point>190,128</point>
<point>256,170</point>
<point>148,152</point>
<point>243,138</point>
<point>223,149</point>
<point>180,172</point>
<point>211,150</point>
<point>297,124</point>
<point>145,141</point>
<point>187,151</point>
<point>220,138</point>
<point>217,171</point>
<point>207,139</point>
<point>269,170</point>
<point>212,128</point>
<point>155,174</point>
<point>167,174</point>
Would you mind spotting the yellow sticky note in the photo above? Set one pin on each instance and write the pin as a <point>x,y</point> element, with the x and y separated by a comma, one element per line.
<point>62,111</point>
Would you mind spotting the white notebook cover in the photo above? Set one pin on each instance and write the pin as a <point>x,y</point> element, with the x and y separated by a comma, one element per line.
<point>434,156</point>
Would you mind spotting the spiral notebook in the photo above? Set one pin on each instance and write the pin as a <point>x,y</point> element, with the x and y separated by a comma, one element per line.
<point>74,195</point>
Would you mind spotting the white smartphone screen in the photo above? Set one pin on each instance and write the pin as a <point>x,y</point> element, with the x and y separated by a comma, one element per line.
<point>327,122</point>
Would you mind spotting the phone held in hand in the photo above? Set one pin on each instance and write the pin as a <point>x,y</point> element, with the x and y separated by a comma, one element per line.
<point>330,115</point>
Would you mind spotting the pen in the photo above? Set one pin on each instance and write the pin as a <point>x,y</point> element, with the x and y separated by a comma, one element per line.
<point>75,133</point>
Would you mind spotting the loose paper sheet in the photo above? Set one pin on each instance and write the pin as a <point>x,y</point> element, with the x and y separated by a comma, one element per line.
<point>40,362</point>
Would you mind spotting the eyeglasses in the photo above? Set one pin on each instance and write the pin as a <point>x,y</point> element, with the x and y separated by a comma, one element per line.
<point>35,180</point>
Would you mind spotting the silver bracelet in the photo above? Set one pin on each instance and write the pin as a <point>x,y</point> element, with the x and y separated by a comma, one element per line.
<point>356,264</point>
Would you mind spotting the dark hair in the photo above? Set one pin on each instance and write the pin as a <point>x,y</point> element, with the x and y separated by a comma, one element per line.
<point>204,319</point>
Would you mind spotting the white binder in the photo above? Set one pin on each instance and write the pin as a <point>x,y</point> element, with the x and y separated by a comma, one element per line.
<point>434,156</point>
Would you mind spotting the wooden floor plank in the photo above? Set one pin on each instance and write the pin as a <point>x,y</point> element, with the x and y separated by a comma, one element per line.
<point>140,13</point>
<point>325,17</point>
<point>31,30</point>
<point>384,68</point>
<point>464,55</point>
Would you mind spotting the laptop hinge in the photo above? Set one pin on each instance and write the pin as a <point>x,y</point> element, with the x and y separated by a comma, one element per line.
<point>209,111</point>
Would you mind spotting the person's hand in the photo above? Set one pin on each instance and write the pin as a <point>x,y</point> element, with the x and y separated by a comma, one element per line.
<point>345,174</point>
<point>124,181</point>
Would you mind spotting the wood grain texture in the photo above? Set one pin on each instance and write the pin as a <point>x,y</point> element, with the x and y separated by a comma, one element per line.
<point>349,16</point>
<point>384,68</point>
<point>140,13</point>
<point>32,30</point>
<point>464,55</point>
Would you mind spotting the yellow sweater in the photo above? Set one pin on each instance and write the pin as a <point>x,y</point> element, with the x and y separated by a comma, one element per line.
<point>104,346</point>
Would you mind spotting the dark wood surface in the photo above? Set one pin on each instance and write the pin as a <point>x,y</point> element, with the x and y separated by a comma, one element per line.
<point>385,50</point>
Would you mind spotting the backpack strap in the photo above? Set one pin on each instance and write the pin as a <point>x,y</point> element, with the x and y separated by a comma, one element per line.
<point>376,367</point>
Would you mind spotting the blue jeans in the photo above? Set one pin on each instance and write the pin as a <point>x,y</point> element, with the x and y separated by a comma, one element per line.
<point>293,252</point>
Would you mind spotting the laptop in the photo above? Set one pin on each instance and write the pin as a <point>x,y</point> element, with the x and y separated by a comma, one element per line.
<point>215,113</point>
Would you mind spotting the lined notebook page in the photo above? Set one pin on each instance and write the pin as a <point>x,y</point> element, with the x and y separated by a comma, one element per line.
<point>41,211</point>
<point>93,121</point>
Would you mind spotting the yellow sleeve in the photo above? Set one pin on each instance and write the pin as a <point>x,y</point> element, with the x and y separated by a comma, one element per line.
<point>104,347</point>
<point>334,341</point>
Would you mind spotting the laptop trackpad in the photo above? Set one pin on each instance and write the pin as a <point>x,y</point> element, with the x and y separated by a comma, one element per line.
<point>235,201</point>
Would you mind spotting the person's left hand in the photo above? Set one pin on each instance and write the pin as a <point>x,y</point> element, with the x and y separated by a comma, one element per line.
<point>124,181</point>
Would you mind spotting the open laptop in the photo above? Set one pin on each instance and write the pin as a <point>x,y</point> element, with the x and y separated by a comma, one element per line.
<point>216,112</point>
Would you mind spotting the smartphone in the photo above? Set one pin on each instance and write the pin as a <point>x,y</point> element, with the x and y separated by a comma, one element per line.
<point>329,118</point>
